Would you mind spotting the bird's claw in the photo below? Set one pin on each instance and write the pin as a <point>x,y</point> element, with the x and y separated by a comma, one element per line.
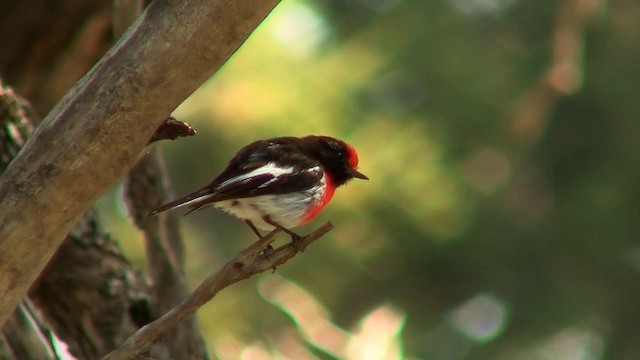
<point>296,241</point>
<point>268,250</point>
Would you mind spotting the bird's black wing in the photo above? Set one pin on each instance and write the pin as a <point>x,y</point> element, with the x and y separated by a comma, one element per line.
<point>274,166</point>
<point>258,154</point>
<point>261,181</point>
<point>264,181</point>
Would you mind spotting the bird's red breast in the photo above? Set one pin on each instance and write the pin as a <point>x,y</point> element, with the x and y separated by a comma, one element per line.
<point>315,209</point>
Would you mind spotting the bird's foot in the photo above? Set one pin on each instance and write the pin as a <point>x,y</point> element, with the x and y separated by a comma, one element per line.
<point>296,241</point>
<point>268,250</point>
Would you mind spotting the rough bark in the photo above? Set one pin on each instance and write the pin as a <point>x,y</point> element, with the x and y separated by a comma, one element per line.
<point>88,266</point>
<point>96,133</point>
<point>148,186</point>
<point>89,294</point>
<point>48,45</point>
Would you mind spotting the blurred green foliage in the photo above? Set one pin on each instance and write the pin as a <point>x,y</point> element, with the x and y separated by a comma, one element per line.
<point>502,218</point>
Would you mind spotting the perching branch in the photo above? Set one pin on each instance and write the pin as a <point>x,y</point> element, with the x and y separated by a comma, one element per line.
<point>94,135</point>
<point>249,262</point>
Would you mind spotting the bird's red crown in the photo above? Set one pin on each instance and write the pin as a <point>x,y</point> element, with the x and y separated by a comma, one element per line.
<point>352,156</point>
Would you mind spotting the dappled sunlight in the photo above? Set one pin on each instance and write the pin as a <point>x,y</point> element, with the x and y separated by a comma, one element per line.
<point>255,351</point>
<point>377,336</point>
<point>575,343</point>
<point>299,27</point>
<point>310,317</point>
<point>227,347</point>
<point>288,344</point>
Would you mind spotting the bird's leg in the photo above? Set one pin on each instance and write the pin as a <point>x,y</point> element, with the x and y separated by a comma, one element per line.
<point>268,249</point>
<point>295,238</point>
<point>255,230</point>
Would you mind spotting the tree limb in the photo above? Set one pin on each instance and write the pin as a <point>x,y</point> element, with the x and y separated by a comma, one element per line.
<point>249,262</point>
<point>88,294</point>
<point>95,134</point>
<point>24,337</point>
<point>146,187</point>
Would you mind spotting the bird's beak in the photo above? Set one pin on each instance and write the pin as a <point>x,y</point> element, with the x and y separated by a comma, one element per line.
<point>356,174</point>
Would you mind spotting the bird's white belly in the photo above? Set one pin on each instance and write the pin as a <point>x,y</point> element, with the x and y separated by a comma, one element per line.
<point>285,210</point>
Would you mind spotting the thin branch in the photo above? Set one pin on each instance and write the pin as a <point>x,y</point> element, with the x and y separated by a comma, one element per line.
<point>250,261</point>
<point>146,187</point>
<point>94,135</point>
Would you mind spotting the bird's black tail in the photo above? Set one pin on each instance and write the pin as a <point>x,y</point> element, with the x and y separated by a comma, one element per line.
<point>195,200</point>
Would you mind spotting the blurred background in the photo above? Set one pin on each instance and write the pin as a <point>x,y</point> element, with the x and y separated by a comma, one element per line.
<point>502,218</point>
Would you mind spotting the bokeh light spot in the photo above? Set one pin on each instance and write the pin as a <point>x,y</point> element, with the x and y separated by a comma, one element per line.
<point>482,318</point>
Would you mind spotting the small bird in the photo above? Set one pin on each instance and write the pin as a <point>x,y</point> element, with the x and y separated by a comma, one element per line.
<point>278,183</point>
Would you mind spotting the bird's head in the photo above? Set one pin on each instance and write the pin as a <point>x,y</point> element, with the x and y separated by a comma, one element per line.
<point>336,156</point>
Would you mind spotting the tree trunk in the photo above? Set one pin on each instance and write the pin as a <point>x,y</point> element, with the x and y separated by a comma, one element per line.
<point>89,294</point>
